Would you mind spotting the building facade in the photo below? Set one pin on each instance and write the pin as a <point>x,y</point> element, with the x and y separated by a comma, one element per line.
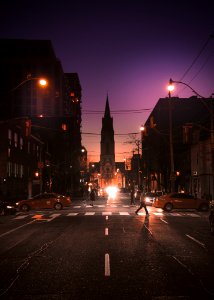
<point>191,145</point>
<point>54,111</point>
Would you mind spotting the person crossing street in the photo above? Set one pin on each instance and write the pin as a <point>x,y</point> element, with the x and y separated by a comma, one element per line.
<point>142,202</point>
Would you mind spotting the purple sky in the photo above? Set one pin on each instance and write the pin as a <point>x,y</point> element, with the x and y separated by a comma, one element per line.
<point>126,50</point>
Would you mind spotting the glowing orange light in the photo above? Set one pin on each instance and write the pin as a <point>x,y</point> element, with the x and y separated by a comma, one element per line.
<point>43,82</point>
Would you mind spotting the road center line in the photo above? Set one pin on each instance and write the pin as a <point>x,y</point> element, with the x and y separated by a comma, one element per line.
<point>148,229</point>
<point>106,217</point>
<point>163,221</point>
<point>198,242</point>
<point>8,232</point>
<point>107,265</point>
<point>106,231</point>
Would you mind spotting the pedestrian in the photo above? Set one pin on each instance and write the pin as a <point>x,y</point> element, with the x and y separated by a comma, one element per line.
<point>92,196</point>
<point>142,203</point>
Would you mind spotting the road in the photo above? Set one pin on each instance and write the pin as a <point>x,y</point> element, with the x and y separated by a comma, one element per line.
<point>106,251</point>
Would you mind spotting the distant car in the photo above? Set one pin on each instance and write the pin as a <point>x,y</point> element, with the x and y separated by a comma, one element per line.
<point>7,207</point>
<point>44,200</point>
<point>180,200</point>
<point>150,197</point>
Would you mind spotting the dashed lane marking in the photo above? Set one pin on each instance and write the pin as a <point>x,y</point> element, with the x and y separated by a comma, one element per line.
<point>107,265</point>
<point>72,214</point>
<point>124,213</point>
<point>106,213</point>
<point>90,213</point>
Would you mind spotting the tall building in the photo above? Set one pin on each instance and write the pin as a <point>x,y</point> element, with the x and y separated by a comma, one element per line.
<point>53,112</point>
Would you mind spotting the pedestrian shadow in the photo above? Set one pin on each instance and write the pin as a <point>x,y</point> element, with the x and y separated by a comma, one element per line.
<point>145,226</point>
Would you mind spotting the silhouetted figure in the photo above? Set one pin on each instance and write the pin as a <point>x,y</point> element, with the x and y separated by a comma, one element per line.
<point>92,196</point>
<point>142,203</point>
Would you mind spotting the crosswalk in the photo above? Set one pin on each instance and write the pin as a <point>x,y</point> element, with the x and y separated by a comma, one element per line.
<point>50,216</point>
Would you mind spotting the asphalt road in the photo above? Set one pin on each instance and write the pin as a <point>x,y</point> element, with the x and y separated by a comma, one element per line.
<point>106,251</point>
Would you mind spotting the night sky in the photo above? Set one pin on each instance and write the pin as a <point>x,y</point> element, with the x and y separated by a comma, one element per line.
<point>126,50</point>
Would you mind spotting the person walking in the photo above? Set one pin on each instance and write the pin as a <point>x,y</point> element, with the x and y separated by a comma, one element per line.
<point>92,196</point>
<point>142,203</point>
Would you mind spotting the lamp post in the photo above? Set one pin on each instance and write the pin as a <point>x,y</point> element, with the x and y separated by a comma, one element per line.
<point>142,128</point>
<point>210,110</point>
<point>172,168</point>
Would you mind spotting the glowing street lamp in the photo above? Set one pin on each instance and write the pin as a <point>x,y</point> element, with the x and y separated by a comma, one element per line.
<point>172,168</point>
<point>41,82</point>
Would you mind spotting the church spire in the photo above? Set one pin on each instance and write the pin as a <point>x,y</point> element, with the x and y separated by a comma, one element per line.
<point>107,109</point>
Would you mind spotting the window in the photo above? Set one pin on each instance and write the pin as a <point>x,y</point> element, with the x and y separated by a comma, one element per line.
<point>9,168</point>
<point>21,171</point>
<point>21,143</point>
<point>28,147</point>
<point>37,151</point>
<point>16,139</point>
<point>10,136</point>
<point>64,127</point>
<point>15,169</point>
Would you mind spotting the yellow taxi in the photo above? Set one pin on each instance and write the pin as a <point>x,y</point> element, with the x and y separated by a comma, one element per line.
<point>180,200</point>
<point>44,200</point>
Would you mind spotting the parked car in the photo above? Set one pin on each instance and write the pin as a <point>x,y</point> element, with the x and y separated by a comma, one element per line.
<point>180,200</point>
<point>44,200</point>
<point>7,207</point>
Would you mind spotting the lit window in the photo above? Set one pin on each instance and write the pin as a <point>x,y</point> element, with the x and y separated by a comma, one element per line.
<point>10,136</point>
<point>16,139</point>
<point>21,143</point>
<point>64,127</point>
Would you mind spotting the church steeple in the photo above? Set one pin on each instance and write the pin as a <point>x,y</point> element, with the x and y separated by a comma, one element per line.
<point>107,109</point>
<point>107,145</point>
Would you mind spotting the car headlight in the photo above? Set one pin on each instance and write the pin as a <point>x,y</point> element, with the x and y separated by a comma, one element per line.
<point>9,206</point>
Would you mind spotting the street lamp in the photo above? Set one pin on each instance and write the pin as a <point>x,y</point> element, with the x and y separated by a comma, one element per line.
<point>172,168</point>
<point>142,128</point>
<point>170,88</point>
<point>41,82</point>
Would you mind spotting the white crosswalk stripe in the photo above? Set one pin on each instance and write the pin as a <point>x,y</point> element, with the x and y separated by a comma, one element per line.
<point>51,217</point>
<point>106,213</point>
<point>20,217</point>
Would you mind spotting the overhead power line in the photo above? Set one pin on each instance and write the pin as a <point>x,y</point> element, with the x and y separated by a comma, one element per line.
<point>198,55</point>
<point>118,134</point>
<point>120,111</point>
